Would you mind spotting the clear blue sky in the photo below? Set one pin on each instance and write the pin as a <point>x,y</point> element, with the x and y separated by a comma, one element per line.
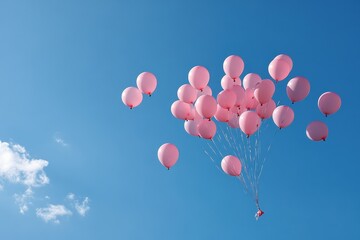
<point>64,64</point>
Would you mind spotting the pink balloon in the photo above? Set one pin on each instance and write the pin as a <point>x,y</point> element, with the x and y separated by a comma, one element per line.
<point>146,82</point>
<point>206,106</point>
<point>283,116</point>
<point>279,69</point>
<point>206,91</point>
<point>238,110</point>
<point>191,127</point>
<point>329,103</point>
<point>234,121</point>
<point>285,58</point>
<point>168,155</point>
<point>231,165</point>
<point>187,93</point>
<point>131,97</point>
<point>249,122</point>
<point>265,111</point>
<point>250,100</point>
<point>233,66</point>
<point>181,110</point>
<point>264,92</point>
<point>222,114</point>
<point>199,77</point>
<point>228,83</point>
<point>240,95</point>
<point>317,131</point>
<point>226,99</point>
<point>297,89</point>
<point>251,80</point>
<point>207,129</point>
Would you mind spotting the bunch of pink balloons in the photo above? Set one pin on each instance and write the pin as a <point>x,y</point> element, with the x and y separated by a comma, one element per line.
<point>146,84</point>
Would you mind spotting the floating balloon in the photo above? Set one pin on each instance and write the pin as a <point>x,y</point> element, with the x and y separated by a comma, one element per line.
<point>191,127</point>
<point>240,95</point>
<point>206,129</point>
<point>317,131</point>
<point>249,122</point>
<point>251,80</point>
<point>279,69</point>
<point>264,91</point>
<point>283,116</point>
<point>146,82</point>
<point>265,111</point>
<point>131,97</point>
<point>168,155</point>
<point>231,165</point>
<point>329,103</point>
<point>297,89</point>
<point>206,106</point>
<point>222,114</point>
<point>228,83</point>
<point>285,58</point>
<point>234,121</point>
<point>250,100</point>
<point>181,110</point>
<point>206,91</point>
<point>233,66</point>
<point>187,93</point>
<point>226,99</point>
<point>199,77</point>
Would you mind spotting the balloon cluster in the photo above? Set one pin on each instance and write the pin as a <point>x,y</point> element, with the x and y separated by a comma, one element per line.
<point>146,83</point>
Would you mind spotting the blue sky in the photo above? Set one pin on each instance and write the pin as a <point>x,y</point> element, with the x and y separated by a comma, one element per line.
<point>63,66</point>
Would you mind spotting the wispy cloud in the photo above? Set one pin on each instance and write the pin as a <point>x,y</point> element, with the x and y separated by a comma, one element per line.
<point>60,141</point>
<point>81,207</point>
<point>53,212</point>
<point>24,200</point>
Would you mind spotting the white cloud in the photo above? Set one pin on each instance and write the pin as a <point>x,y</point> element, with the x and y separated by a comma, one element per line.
<point>60,141</point>
<point>24,200</point>
<point>83,207</point>
<point>53,212</point>
<point>16,166</point>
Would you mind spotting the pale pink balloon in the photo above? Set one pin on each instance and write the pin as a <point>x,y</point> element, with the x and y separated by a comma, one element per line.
<point>226,99</point>
<point>297,89</point>
<point>131,97</point>
<point>168,155</point>
<point>317,131</point>
<point>199,77</point>
<point>228,83</point>
<point>279,69</point>
<point>191,127</point>
<point>329,103</point>
<point>250,100</point>
<point>222,114</point>
<point>233,66</point>
<point>283,116</point>
<point>231,165</point>
<point>206,106</point>
<point>240,95</point>
<point>249,122</point>
<point>206,91</point>
<point>286,58</point>
<point>265,111</point>
<point>251,80</point>
<point>265,91</point>
<point>146,82</point>
<point>207,129</point>
<point>181,110</point>
<point>234,121</point>
<point>187,93</point>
